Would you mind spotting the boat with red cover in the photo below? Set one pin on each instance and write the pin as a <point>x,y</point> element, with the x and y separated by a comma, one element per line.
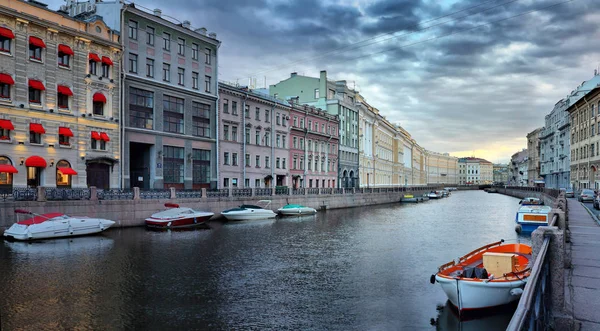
<point>178,217</point>
<point>54,225</point>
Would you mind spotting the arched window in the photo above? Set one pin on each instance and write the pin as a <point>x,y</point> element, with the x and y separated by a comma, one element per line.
<point>63,176</point>
<point>6,172</point>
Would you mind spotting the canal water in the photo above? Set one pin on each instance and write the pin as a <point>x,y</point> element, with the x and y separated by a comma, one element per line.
<point>365,268</point>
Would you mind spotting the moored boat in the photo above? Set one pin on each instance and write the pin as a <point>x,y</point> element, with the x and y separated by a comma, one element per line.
<point>433,195</point>
<point>249,212</point>
<point>54,225</point>
<point>411,198</point>
<point>292,209</point>
<point>530,217</point>
<point>178,217</point>
<point>531,201</point>
<point>490,276</point>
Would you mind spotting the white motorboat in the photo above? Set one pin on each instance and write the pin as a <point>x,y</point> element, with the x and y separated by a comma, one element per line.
<point>249,212</point>
<point>54,225</point>
<point>433,195</point>
<point>291,209</point>
<point>178,217</point>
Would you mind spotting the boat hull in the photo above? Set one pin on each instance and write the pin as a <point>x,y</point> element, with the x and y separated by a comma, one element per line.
<point>182,222</point>
<point>57,229</point>
<point>411,200</point>
<point>479,294</point>
<point>297,211</point>
<point>249,215</point>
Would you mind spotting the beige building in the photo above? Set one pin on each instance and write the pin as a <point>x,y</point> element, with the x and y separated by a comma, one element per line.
<point>441,168</point>
<point>59,99</point>
<point>475,171</point>
<point>533,149</point>
<point>585,156</point>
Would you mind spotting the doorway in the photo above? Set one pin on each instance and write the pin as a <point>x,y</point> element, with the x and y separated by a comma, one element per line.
<point>98,175</point>
<point>34,175</point>
<point>139,165</point>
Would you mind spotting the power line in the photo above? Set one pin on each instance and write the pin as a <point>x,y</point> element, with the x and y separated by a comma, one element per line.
<point>374,41</point>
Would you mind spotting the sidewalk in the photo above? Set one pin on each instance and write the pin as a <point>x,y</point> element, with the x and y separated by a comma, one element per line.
<point>583,279</point>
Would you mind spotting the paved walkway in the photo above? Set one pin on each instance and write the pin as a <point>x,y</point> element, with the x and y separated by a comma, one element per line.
<point>584,277</point>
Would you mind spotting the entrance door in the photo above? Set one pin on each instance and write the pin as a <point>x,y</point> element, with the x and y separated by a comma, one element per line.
<point>98,175</point>
<point>139,165</point>
<point>34,175</point>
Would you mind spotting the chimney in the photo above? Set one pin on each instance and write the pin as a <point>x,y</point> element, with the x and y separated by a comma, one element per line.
<point>201,31</point>
<point>213,35</point>
<point>157,12</point>
<point>323,84</point>
<point>186,24</point>
<point>293,74</point>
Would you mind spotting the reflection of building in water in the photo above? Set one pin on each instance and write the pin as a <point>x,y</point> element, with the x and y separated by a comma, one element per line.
<point>496,320</point>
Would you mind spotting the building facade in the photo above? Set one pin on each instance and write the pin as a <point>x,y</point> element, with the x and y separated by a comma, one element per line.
<point>338,99</point>
<point>555,138</point>
<point>59,99</point>
<point>254,140</point>
<point>533,159</point>
<point>441,168</point>
<point>585,140</point>
<point>518,168</point>
<point>475,171</point>
<point>314,147</point>
<point>500,174</point>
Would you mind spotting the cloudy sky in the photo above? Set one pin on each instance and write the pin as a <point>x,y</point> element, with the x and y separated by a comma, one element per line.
<point>462,76</point>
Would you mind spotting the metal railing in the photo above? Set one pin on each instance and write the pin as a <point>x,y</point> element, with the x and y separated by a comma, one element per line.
<point>155,194</point>
<point>68,193</point>
<point>218,193</point>
<point>188,194</point>
<point>114,194</point>
<point>241,192</point>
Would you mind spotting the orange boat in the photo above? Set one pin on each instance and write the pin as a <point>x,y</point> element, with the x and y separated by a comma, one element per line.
<point>490,276</point>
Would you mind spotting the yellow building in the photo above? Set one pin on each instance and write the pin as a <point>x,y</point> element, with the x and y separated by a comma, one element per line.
<point>441,168</point>
<point>59,102</point>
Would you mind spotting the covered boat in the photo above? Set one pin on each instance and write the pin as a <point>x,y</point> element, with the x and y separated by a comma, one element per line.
<point>490,276</point>
<point>178,217</point>
<point>529,217</point>
<point>296,210</point>
<point>411,198</point>
<point>249,212</point>
<point>531,201</point>
<point>54,225</point>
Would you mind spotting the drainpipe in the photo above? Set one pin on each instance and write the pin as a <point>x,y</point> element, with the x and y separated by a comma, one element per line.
<point>305,147</point>
<point>121,123</point>
<point>272,148</point>
<point>244,139</point>
<point>217,117</point>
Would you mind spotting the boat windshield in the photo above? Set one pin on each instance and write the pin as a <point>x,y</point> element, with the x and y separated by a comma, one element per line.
<point>250,207</point>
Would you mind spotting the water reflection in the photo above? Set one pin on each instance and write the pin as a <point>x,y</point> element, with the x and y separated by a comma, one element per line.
<point>495,320</point>
<point>349,269</point>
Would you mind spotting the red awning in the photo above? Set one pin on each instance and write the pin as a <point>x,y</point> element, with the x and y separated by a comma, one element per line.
<point>6,125</point>
<point>65,49</point>
<point>37,128</point>
<point>35,161</point>
<point>107,60</point>
<point>64,90</point>
<point>96,135</point>
<point>36,84</point>
<point>99,97</point>
<point>6,33</point>
<point>67,171</point>
<point>94,57</point>
<point>8,168</point>
<point>37,42</point>
<point>104,136</point>
<point>6,79</point>
<point>63,131</point>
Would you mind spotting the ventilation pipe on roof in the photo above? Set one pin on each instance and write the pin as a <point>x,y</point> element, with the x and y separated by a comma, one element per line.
<point>157,12</point>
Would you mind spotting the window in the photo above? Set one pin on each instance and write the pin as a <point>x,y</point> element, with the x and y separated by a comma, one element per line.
<point>98,108</point>
<point>257,114</point>
<point>234,133</point>
<point>64,55</point>
<point>330,94</point>
<point>234,159</point>
<point>267,139</point>
<point>180,46</point>
<point>247,135</point>
<point>35,48</point>
<point>133,63</point>
<point>141,108</point>
<point>267,163</point>
<point>323,128</point>
<point>195,83</point>
<point>173,114</point>
<point>234,182</point>
<point>4,90</point>
<point>201,166</point>
<point>5,41</point>
<point>294,162</point>
<point>166,41</point>
<point>35,95</point>
<point>234,107</point>
<point>180,76</point>
<point>295,120</point>
<point>309,125</point>
<point>150,35</point>
<point>267,119</point>
<point>200,119</point>
<point>247,182</point>
<point>207,56</point>
<point>277,162</point>
<point>302,123</point>
<point>301,163</point>
<point>316,93</point>
<point>173,164</point>
<point>247,160</point>
<point>283,144</point>
<point>278,119</point>
<point>225,132</point>
<point>257,161</point>
<point>194,51</point>
<point>62,179</point>
<point>93,67</point>
<point>278,141</point>
<point>257,137</point>
<point>226,159</point>
<point>105,70</point>
<point>257,182</point>
<point>35,138</point>
<point>207,84</point>
<point>225,182</point>
<point>150,68</point>
<point>301,143</point>
<point>295,142</point>
<point>283,166</point>
<point>132,30</point>
<point>226,106</point>
<point>62,100</point>
<point>247,111</point>
<point>166,72</point>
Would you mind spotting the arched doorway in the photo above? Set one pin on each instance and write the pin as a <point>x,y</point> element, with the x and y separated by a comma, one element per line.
<point>6,173</point>
<point>35,166</point>
<point>98,172</point>
<point>64,174</point>
<point>268,181</point>
<point>345,179</point>
<point>351,179</point>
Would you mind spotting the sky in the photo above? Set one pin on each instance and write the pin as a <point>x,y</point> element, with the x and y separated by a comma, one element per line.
<point>467,77</point>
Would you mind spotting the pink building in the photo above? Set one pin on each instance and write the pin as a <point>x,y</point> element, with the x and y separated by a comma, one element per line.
<point>314,146</point>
